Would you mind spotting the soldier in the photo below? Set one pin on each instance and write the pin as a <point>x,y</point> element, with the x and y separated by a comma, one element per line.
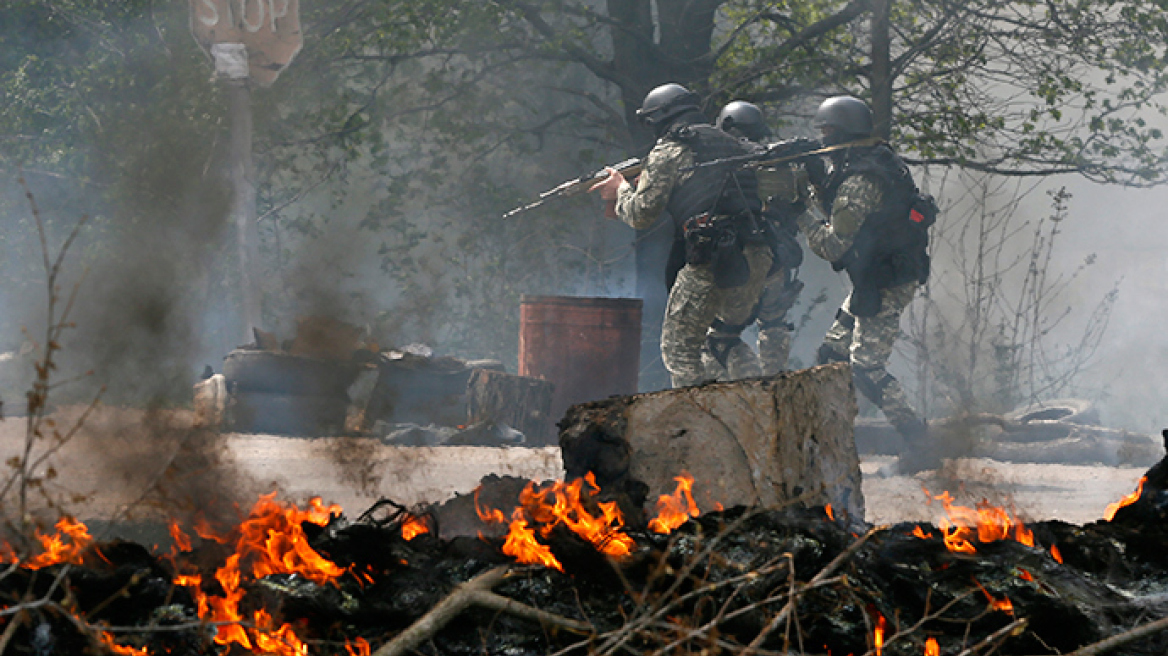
<point>720,257</point>
<point>875,229</point>
<point>729,355</point>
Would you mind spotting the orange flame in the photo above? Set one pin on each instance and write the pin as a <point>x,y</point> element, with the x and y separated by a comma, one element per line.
<point>65,546</point>
<point>181,541</point>
<point>1055,553</point>
<point>830,515</point>
<point>675,509</point>
<point>413,527</point>
<point>1002,604</point>
<point>270,541</point>
<point>932,648</point>
<point>107,640</point>
<point>986,523</point>
<point>358,647</point>
<point>918,532</point>
<point>1112,508</point>
<point>878,634</point>
<point>1025,575</point>
<point>559,504</point>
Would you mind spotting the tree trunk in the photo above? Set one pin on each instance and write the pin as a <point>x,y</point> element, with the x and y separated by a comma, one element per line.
<point>881,76</point>
<point>674,48</point>
<point>757,442</point>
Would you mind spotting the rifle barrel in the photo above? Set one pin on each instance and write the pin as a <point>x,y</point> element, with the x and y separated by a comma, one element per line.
<point>630,168</point>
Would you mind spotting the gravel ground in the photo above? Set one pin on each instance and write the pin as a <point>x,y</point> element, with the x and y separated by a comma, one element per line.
<point>117,465</point>
<point>1076,494</point>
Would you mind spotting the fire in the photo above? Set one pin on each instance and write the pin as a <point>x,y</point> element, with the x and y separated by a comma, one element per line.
<point>181,541</point>
<point>358,647</point>
<point>107,641</point>
<point>65,546</point>
<point>1004,604</point>
<point>830,514</point>
<point>413,527</point>
<point>918,532</point>
<point>282,641</point>
<point>932,648</point>
<point>559,504</point>
<point>1025,575</point>
<point>1055,553</point>
<point>1128,500</point>
<point>878,635</point>
<point>675,509</point>
<point>986,523</point>
<point>270,541</point>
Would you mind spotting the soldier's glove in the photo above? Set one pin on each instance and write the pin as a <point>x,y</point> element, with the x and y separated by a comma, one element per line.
<point>816,170</point>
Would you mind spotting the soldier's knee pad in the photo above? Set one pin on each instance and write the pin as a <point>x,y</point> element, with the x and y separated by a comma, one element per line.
<point>827,355</point>
<point>845,319</point>
<point>721,345</point>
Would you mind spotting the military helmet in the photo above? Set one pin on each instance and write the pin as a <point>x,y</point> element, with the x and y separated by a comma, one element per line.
<point>745,118</point>
<point>667,102</point>
<point>847,116</point>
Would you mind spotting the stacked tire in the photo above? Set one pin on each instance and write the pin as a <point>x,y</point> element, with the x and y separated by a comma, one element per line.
<point>275,392</point>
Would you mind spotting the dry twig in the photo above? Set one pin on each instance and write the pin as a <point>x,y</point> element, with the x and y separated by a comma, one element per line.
<point>475,592</point>
<point>816,580</point>
<point>1119,640</point>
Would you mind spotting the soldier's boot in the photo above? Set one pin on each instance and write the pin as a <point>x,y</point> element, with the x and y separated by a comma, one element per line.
<point>920,450</point>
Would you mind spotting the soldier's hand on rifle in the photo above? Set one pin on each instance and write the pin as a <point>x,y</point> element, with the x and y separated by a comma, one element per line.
<point>608,189</point>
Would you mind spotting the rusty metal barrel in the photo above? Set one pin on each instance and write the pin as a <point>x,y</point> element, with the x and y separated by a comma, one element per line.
<point>589,347</point>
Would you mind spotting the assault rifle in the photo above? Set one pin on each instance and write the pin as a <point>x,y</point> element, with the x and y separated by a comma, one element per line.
<point>630,168</point>
<point>782,152</point>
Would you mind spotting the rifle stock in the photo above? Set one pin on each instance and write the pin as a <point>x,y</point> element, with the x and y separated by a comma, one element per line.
<point>630,168</point>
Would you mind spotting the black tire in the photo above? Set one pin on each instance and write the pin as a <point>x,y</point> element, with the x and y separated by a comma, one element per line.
<point>286,414</point>
<point>271,372</point>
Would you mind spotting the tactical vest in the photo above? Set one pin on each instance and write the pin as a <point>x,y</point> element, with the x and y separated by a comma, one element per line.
<point>717,190</point>
<point>891,247</point>
<point>720,191</point>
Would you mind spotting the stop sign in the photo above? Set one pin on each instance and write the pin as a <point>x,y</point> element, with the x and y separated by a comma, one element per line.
<point>270,29</point>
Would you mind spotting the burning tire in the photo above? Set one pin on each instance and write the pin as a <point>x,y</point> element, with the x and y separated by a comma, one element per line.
<point>287,414</point>
<point>272,372</point>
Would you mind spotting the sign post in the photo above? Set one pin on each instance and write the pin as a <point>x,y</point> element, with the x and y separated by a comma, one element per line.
<point>250,41</point>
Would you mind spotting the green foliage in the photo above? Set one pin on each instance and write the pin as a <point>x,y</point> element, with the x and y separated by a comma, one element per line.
<point>389,148</point>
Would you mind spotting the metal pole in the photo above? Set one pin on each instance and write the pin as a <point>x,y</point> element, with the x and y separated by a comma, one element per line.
<point>231,64</point>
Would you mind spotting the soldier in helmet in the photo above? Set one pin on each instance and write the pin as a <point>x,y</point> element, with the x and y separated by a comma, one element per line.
<point>875,228</point>
<point>778,187</point>
<point>720,257</point>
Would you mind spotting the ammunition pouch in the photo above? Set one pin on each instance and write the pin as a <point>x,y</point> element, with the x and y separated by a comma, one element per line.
<point>865,300</point>
<point>784,247</point>
<point>717,241</point>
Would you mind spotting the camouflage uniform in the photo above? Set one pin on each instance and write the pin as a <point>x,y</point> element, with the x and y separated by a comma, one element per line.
<point>694,299</point>
<point>864,341</point>
<point>736,359</point>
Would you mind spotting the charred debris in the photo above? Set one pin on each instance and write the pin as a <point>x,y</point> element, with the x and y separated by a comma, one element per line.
<point>744,580</point>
